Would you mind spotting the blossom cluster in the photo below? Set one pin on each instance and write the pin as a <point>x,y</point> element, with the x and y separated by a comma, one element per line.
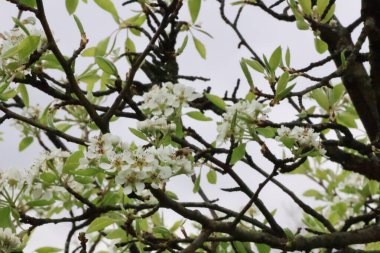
<point>300,139</point>
<point>8,241</point>
<point>158,124</point>
<point>168,99</point>
<point>16,182</point>
<point>15,179</point>
<point>134,166</point>
<point>240,118</point>
<point>11,39</point>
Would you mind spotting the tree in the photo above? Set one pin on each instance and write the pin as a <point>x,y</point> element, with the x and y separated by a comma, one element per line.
<point>112,190</point>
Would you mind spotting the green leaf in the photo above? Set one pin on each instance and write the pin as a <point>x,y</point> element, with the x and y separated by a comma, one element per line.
<point>29,3</point>
<point>288,142</point>
<point>194,8</point>
<point>162,232</point>
<point>248,76</point>
<point>179,128</point>
<point>138,133</point>
<point>171,195</point>
<point>306,6</point>
<point>200,47</point>
<point>338,92</point>
<point>302,25</point>
<point>108,6</point>
<point>63,127</point>
<point>321,99</point>
<point>8,95</point>
<point>321,6</point>
<point>238,153</point>
<point>346,119</point>
<point>50,61</point>
<point>255,65</point>
<point>275,58</point>
<point>287,57</point>
<point>106,65</point>
<point>313,193</point>
<point>212,176</point>
<point>282,82</point>
<point>11,52</point>
<point>25,142</point>
<point>320,45</point>
<point>197,182</point>
<point>48,177</point>
<point>87,172</point>
<point>28,46</point>
<point>79,25</point>
<point>48,250</point>
<point>183,46</point>
<point>284,93</point>
<point>116,234</point>
<point>129,46</point>
<point>217,101</point>
<point>21,25</point>
<point>198,116</point>
<point>41,202</point>
<point>72,162</point>
<point>71,6</point>
<point>24,94</point>
<point>99,224</point>
<point>267,132</point>
<point>373,187</point>
<point>239,246</point>
<point>262,248</point>
<point>176,226</point>
<point>89,52</point>
<point>3,87</point>
<point>329,14</point>
<point>101,47</point>
<point>5,214</point>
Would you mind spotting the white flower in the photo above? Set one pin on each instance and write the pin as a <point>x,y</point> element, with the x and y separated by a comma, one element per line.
<point>166,100</point>
<point>15,179</point>
<point>156,124</point>
<point>101,145</point>
<point>240,118</point>
<point>55,157</point>
<point>131,180</point>
<point>8,240</point>
<point>303,137</point>
<point>16,35</point>
<point>116,161</point>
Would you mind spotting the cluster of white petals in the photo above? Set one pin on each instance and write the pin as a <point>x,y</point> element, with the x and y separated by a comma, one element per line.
<point>15,179</point>
<point>11,39</point>
<point>304,138</point>
<point>158,124</point>
<point>165,100</point>
<point>56,157</point>
<point>134,166</point>
<point>240,118</point>
<point>8,241</point>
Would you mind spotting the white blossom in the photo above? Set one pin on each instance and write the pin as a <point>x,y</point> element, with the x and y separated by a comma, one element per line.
<point>165,100</point>
<point>101,145</point>
<point>8,241</point>
<point>303,137</point>
<point>11,39</point>
<point>154,166</point>
<point>156,124</point>
<point>15,179</point>
<point>239,118</point>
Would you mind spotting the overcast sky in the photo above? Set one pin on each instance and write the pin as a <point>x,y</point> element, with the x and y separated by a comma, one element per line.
<point>222,66</point>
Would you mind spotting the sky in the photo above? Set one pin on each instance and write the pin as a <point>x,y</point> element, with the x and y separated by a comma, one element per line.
<point>222,65</point>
